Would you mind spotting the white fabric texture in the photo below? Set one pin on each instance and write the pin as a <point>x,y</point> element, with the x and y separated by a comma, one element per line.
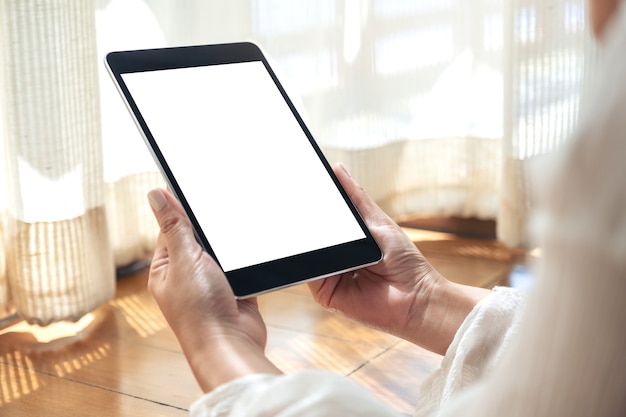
<point>564,354</point>
<point>58,260</point>
<point>477,346</point>
<point>310,393</point>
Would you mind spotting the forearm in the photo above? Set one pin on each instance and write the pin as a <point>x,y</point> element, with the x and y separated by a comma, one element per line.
<point>224,359</point>
<point>447,306</point>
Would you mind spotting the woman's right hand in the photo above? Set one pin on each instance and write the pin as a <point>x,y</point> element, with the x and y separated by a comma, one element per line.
<point>403,294</point>
<point>222,338</point>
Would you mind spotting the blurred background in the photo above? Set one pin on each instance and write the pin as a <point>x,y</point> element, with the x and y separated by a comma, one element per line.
<point>437,107</point>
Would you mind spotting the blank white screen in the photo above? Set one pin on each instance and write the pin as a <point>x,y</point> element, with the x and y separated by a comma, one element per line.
<point>242,161</point>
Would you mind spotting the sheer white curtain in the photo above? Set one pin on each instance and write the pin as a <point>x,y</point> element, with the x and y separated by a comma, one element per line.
<point>75,172</point>
<point>435,106</point>
<point>57,261</point>
<point>548,65</point>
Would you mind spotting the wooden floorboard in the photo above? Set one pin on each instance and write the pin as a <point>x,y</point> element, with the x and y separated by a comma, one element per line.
<point>127,362</point>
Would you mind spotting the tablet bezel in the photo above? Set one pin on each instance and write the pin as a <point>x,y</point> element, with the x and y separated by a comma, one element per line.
<point>268,276</point>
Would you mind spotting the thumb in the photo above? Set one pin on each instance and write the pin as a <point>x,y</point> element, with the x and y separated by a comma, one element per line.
<point>172,219</point>
<point>370,211</point>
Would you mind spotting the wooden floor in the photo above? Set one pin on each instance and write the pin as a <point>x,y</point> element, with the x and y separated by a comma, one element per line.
<point>126,362</point>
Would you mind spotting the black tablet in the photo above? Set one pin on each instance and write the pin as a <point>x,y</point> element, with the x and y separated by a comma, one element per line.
<point>262,198</point>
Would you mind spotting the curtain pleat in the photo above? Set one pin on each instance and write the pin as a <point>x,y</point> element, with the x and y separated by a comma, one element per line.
<point>129,170</point>
<point>59,270</point>
<point>132,226</point>
<point>548,56</point>
<point>442,176</point>
<point>4,285</point>
<point>59,260</point>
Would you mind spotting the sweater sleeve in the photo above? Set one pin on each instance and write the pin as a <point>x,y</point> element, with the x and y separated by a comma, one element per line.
<point>477,345</point>
<point>310,393</point>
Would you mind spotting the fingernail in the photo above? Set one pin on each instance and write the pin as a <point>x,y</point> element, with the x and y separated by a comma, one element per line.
<point>345,170</point>
<point>157,199</point>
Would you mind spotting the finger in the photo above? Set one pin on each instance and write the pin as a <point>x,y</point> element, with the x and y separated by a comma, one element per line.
<point>160,257</point>
<point>365,204</point>
<point>323,289</point>
<point>159,198</point>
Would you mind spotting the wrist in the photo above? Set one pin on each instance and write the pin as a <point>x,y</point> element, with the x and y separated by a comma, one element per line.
<point>226,357</point>
<point>444,307</point>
